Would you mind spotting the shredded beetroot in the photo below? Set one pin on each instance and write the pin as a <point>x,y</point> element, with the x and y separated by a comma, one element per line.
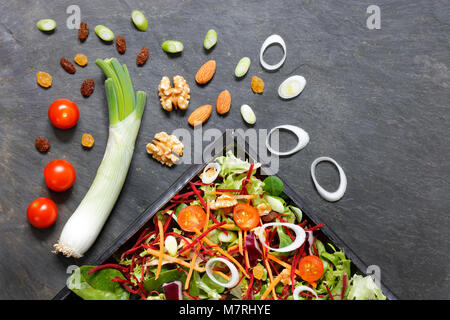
<point>249,295</point>
<point>316,227</point>
<point>108,266</point>
<point>329,292</point>
<point>293,269</point>
<point>228,190</point>
<point>197,193</point>
<point>192,297</point>
<point>184,195</point>
<point>344,285</point>
<point>246,180</point>
<point>201,236</point>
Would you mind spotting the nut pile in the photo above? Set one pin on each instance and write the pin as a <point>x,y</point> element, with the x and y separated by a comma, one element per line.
<point>177,97</point>
<point>165,148</point>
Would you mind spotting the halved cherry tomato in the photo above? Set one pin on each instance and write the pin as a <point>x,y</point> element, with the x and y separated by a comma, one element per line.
<point>191,218</point>
<point>310,268</point>
<point>59,175</point>
<point>42,212</point>
<point>63,113</point>
<point>245,216</point>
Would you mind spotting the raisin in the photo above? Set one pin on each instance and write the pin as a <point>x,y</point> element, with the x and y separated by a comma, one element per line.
<point>83,31</point>
<point>44,79</point>
<point>269,217</point>
<point>142,56</point>
<point>87,87</point>
<point>42,144</point>
<point>87,140</point>
<point>81,59</point>
<point>121,44</point>
<point>257,84</point>
<point>67,65</point>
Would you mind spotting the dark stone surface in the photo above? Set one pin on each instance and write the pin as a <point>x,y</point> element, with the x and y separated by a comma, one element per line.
<point>377,101</point>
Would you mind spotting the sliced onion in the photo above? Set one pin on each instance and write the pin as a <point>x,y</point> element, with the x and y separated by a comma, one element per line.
<point>310,241</point>
<point>302,136</point>
<point>291,87</point>
<point>234,272</point>
<point>299,289</point>
<point>273,39</point>
<point>300,236</point>
<point>253,249</point>
<point>329,196</point>
<point>205,178</point>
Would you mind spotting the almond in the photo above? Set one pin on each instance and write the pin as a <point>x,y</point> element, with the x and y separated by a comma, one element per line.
<point>200,115</point>
<point>223,102</point>
<point>206,72</point>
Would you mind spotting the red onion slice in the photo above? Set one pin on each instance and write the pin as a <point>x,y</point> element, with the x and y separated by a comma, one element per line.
<point>253,249</point>
<point>172,290</point>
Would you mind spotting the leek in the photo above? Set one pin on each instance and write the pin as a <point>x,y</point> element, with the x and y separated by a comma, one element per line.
<point>125,114</point>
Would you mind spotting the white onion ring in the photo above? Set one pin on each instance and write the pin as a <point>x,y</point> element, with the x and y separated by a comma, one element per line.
<point>234,273</point>
<point>216,167</point>
<point>330,196</point>
<point>300,236</point>
<point>302,136</point>
<point>299,80</point>
<point>299,289</point>
<point>273,39</point>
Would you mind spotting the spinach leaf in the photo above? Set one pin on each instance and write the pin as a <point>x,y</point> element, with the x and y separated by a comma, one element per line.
<point>273,185</point>
<point>153,284</point>
<point>98,285</point>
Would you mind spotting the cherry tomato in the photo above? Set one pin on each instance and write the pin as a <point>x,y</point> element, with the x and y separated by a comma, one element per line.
<point>63,113</point>
<point>42,213</point>
<point>59,175</point>
<point>245,216</point>
<point>310,268</point>
<point>191,218</point>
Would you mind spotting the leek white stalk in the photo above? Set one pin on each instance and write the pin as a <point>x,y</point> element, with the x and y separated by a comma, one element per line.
<point>125,114</point>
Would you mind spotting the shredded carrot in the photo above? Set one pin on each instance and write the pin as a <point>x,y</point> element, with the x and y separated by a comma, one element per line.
<point>161,248</point>
<point>221,274</point>
<point>241,249</point>
<point>225,226</point>
<point>231,248</point>
<point>271,287</point>
<point>269,272</point>
<point>174,260</point>
<point>282,263</point>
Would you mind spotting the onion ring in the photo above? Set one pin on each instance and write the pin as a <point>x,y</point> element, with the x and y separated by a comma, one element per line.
<point>234,272</point>
<point>299,289</point>
<point>211,179</point>
<point>302,136</point>
<point>300,236</point>
<point>330,196</point>
<point>273,39</point>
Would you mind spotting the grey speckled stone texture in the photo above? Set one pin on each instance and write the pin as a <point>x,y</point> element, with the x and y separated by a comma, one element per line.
<point>377,101</point>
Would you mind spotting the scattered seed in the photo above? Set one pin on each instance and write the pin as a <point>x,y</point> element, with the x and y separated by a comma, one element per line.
<point>210,39</point>
<point>42,144</point>
<point>80,59</point>
<point>139,20</point>
<point>247,114</point>
<point>46,25</point>
<point>142,56</point>
<point>121,44</point>
<point>172,46</point>
<point>242,67</point>
<point>87,87</point>
<point>87,140</point>
<point>104,33</point>
<point>44,79</point>
<point>67,65</point>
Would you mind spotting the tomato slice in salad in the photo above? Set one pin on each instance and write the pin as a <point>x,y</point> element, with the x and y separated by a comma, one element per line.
<point>245,216</point>
<point>311,268</point>
<point>191,218</point>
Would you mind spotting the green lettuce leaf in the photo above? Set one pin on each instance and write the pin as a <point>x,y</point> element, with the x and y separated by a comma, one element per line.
<point>364,288</point>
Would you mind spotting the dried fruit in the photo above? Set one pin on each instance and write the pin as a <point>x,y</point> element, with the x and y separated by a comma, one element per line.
<point>258,271</point>
<point>83,31</point>
<point>87,87</point>
<point>206,72</point>
<point>121,44</point>
<point>44,79</point>
<point>177,97</point>
<point>257,84</point>
<point>200,115</point>
<point>81,59</point>
<point>67,65</point>
<point>166,148</point>
<point>142,56</point>
<point>87,140</point>
<point>223,102</point>
<point>42,144</point>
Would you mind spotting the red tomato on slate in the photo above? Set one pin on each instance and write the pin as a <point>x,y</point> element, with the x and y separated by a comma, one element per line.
<point>59,175</point>
<point>42,213</point>
<point>63,113</point>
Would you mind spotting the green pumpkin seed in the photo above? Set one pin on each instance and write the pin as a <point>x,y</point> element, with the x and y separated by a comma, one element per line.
<point>247,114</point>
<point>172,46</point>
<point>139,20</point>
<point>104,33</point>
<point>242,67</point>
<point>210,39</point>
<point>46,24</point>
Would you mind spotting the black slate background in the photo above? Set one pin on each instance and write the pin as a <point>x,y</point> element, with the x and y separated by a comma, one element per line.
<point>377,101</point>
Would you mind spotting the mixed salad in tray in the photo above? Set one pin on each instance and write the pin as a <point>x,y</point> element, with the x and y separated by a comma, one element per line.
<point>229,234</point>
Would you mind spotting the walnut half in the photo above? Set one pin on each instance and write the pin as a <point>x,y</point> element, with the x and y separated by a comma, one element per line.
<point>177,97</point>
<point>165,148</point>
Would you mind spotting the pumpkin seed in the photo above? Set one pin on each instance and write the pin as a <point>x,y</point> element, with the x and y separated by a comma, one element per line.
<point>104,33</point>
<point>172,46</point>
<point>242,67</point>
<point>139,20</point>
<point>247,114</point>
<point>46,24</point>
<point>210,39</point>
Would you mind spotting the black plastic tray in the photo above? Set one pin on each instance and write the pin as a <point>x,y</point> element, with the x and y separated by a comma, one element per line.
<point>236,141</point>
